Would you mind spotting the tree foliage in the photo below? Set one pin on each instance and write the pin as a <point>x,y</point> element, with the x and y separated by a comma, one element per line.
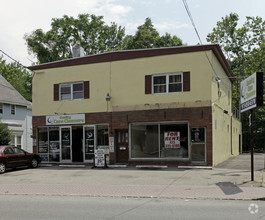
<point>147,36</point>
<point>245,47</point>
<point>89,31</point>
<point>5,135</point>
<point>94,36</point>
<point>18,77</point>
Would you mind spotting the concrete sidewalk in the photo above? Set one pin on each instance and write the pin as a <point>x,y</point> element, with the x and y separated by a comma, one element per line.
<point>223,182</point>
<point>142,191</point>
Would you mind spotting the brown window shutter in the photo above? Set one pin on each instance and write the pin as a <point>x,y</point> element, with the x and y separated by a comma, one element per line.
<point>56,92</point>
<point>148,84</point>
<point>86,90</point>
<point>186,81</point>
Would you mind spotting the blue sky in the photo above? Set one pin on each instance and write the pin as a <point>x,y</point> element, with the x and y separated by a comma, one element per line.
<point>19,17</point>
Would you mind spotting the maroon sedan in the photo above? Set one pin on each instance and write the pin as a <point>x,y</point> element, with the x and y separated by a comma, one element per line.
<point>12,157</point>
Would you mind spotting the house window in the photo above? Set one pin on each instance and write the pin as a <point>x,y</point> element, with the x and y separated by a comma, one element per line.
<point>13,109</point>
<point>78,91</point>
<point>72,91</point>
<point>1,108</point>
<point>169,83</point>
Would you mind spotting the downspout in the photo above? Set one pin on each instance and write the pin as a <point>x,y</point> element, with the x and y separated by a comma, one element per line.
<point>26,129</point>
<point>231,135</point>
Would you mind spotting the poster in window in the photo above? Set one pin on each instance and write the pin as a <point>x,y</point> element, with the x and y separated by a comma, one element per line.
<point>172,139</point>
<point>111,144</point>
<point>43,147</point>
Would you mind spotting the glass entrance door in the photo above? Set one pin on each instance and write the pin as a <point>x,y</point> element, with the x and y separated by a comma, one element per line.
<point>89,143</point>
<point>66,144</point>
<point>198,145</point>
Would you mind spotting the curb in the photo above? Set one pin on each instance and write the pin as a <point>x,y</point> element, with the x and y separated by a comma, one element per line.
<point>136,191</point>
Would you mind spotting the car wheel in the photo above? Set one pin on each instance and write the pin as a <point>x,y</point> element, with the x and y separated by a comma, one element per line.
<point>2,167</point>
<point>34,163</point>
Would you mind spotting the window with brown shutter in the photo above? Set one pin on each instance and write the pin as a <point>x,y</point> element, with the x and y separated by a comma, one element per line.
<point>86,90</point>
<point>148,84</point>
<point>56,92</point>
<point>186,81</point>
<point>167,83</point>
<point>71,91</point>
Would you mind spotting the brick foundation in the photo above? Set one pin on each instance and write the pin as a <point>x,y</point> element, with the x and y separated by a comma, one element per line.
<point>197,117</point>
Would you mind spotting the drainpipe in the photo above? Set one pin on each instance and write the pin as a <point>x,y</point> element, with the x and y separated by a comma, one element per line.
<point>231,135</point>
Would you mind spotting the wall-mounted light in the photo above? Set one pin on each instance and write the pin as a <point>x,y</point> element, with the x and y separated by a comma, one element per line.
<point>226,112</point>
<point>218,80</point>
<point>108,97</point>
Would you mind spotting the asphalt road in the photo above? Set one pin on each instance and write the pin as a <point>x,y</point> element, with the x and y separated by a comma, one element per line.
<point>78,207</point>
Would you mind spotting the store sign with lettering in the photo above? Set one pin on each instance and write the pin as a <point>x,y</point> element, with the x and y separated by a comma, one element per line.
<point>65,119</point>
<point>172,139</point>
<point>252,92</point>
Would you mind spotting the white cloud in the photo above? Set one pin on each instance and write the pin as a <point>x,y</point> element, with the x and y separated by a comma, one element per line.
<point>165,26</point>
<point>20,17</point>
<point>112,12</point>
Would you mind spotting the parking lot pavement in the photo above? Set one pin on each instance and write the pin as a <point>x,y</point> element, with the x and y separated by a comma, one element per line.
<point>229,180</point>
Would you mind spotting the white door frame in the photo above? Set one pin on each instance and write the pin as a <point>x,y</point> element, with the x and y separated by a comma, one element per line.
<point>205,149</point>
<point>61,151</point>
<point>84,139</point>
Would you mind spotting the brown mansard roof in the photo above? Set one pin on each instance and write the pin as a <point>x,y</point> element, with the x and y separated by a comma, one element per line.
<point>134,54</point>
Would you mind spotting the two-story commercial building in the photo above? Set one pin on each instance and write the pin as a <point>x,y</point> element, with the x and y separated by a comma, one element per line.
<point>168,106</point>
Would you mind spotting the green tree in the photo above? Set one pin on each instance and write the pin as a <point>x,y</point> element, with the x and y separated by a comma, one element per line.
<point>18,77</point>
<point>245,47</point>
<point>5,135</point>
<point>147,36</point>
<point>88,30</point>
<point>94,36</point>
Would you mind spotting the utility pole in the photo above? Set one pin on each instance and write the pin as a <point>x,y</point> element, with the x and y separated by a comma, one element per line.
<point>251,144</point>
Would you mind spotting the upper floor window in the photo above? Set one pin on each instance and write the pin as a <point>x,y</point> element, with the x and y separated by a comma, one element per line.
<point>12,109</point>
<point>168,83</point>
<point>72,91</point>
<point>1,108</point>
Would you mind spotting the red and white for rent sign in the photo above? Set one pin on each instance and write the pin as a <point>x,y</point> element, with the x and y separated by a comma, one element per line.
<point>172,139</point>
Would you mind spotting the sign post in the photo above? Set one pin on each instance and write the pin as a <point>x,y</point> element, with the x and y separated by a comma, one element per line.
<point>251,97</point>
<point>99,158</point>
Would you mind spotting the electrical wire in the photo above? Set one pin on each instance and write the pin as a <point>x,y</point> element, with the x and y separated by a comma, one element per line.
<point>197,33</point>
<point>13,59</point>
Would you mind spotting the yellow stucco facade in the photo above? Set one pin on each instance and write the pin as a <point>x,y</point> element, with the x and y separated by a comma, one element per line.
<point>124,81</point>
<point>225,126</point>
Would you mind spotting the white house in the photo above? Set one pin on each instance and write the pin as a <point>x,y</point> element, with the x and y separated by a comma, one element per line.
<point>16,113</point>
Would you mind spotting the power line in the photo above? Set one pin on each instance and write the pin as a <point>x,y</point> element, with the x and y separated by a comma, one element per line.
<point>197,33</point>
<point>192,22</point>
<point>13,59</point>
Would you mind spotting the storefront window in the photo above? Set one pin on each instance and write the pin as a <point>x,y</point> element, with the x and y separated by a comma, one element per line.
<point>144,141</point>
<point>43,144</point>
<point>159,140</point>
<point>103,135</point>
<point>54,144</point>
<point>71,147</point>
